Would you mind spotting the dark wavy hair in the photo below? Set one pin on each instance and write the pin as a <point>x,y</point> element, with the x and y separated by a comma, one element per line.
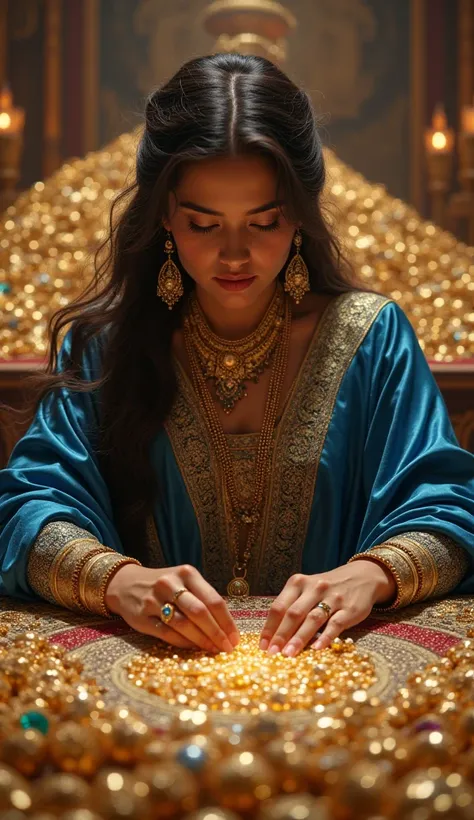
<point>220,105</point>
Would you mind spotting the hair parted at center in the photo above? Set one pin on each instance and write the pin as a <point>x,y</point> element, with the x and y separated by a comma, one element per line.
<point>214,106</point>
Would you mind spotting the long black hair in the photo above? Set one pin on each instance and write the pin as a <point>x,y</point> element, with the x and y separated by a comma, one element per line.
<point>220,105</point>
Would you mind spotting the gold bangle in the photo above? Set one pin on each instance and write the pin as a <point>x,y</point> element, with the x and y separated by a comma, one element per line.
<point>61,569</point>
<point>68,577</point>
<point>424,562</point>
<point>54,569</point>
<point>427,562</point>
<point>65,579</point>
<point>406,569</point>
<point>83,579</point>
<point>95,577</point>
<point>402,569</point>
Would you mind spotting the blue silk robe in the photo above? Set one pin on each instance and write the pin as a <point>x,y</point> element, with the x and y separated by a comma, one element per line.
<point>363,450</point>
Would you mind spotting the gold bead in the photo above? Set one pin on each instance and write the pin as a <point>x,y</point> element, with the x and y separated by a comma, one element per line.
<point>74,748</point>
<point>242,781</point>
<point>295,807</point>
<point>120,794</point>
<point>15,791</point>
<point>60,792</point>
<point>129,737</point>
<point>25,750</point>
<point>172,789</point>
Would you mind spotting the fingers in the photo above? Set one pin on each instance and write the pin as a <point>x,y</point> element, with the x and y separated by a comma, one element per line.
<point>315,618</point>
<point>188,630</point>
<point>300,623</point>
<point>204,609</point>
<point>153,626</point>
<point>289,611</point>
<point>336,624</point>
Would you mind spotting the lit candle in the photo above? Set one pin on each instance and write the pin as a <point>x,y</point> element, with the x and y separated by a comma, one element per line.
<point>439,139</point>
<point>11,119</point>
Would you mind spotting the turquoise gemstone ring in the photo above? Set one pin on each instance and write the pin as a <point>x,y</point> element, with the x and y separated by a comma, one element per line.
<point>167,613</point>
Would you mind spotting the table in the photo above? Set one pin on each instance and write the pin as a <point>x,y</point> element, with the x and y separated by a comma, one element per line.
<point>398,643</point>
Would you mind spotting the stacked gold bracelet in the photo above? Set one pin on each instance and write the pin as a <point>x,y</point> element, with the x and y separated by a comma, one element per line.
<point>95,576</point>
<point>80,572</point>
<point>402,568</point>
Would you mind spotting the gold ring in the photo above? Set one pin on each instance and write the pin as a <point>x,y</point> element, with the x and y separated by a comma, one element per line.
<point>167,613</point>
<point>178,593</point>
<point>323,605</point>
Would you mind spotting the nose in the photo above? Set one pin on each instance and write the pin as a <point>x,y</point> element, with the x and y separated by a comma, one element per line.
<point>234,254</point>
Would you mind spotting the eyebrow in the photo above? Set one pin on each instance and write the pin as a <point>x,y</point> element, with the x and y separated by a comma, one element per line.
<point>193,206</point>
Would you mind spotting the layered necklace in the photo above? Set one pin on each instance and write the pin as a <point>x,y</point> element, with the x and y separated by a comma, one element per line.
<point>273,339</point>
<point>229,364</point>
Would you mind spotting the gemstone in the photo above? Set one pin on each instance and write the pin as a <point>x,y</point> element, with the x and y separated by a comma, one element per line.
<point>5,287</point>
<point>166,610</point>
<point>35,720</point>
<point>192,757</point>
<point>169,285</point>
<point>298,279</point>
<point>229,360</point>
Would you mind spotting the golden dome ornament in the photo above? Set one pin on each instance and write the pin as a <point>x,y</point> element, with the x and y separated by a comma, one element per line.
<point>170,284</point>
<point>297,274</point>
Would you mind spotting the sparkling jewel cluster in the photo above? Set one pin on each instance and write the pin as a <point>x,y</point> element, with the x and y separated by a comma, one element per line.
<point>64,753</point>
<point>48,236</point>
<point>250,681</point>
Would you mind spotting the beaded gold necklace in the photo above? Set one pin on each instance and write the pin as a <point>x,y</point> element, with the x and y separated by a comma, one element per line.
<point>229,363</point>
<point>242,513</point>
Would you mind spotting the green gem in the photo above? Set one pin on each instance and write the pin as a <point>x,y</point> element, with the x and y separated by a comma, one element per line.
<point>35,720</point>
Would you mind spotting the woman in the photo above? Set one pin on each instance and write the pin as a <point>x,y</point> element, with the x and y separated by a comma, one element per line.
<point>230,411</point>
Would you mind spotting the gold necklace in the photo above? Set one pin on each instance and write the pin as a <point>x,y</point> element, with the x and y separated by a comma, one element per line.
<point>231,363</point>
<point>243,514</point>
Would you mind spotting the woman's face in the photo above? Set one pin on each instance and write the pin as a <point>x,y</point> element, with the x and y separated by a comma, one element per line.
<point>230,232</point>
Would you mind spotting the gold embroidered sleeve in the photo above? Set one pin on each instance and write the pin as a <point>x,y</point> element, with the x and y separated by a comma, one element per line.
<point>441,562</point>
<point>424,565</point>
<point>58,567</point>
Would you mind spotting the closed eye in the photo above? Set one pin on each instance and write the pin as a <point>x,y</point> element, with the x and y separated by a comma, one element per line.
<point>200,229</point>
<point>273,226</point>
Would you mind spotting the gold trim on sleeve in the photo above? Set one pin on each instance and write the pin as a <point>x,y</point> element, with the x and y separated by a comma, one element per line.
<point>45,552</point>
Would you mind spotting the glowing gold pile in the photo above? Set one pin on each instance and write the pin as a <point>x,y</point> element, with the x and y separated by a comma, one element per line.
<point>250,681</point>
<point>48,236</point>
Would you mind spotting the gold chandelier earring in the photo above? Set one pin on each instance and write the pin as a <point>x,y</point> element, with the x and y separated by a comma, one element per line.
<point>297,273</point>
<point>170,284</point>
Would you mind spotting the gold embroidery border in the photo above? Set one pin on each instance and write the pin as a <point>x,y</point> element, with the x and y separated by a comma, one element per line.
<point>196,459</point>
<point>302,432</point>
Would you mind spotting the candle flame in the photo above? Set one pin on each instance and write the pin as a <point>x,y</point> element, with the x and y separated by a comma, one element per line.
<point>439,140</point>
<point>5,121</point>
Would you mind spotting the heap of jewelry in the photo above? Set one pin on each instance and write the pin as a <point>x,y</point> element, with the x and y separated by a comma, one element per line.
<point>230,363</point>
<point>65,753</point>
<point>244,517</point>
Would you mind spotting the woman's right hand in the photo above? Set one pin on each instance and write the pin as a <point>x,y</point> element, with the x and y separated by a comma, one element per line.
<point>201,619</point>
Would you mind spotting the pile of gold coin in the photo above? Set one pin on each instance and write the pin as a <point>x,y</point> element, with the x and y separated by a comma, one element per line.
<point>248,680</point>
<point>65,753</point>
<point>49,235</point>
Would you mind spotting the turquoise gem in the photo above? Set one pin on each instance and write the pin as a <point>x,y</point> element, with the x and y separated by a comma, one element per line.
<point>167,610</point>
<point>35,720</point>
<point>5,287</point>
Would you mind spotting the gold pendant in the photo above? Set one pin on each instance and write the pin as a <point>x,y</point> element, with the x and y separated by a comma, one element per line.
<point>238,588</point>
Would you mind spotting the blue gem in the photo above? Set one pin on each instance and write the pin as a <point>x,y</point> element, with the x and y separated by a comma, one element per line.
<point>193,757</point>
<point>167,610</point>
<point>5,287</point>
<point>35,720</point>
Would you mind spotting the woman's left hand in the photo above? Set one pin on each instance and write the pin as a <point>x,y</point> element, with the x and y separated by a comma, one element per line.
<point>350,590</point>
